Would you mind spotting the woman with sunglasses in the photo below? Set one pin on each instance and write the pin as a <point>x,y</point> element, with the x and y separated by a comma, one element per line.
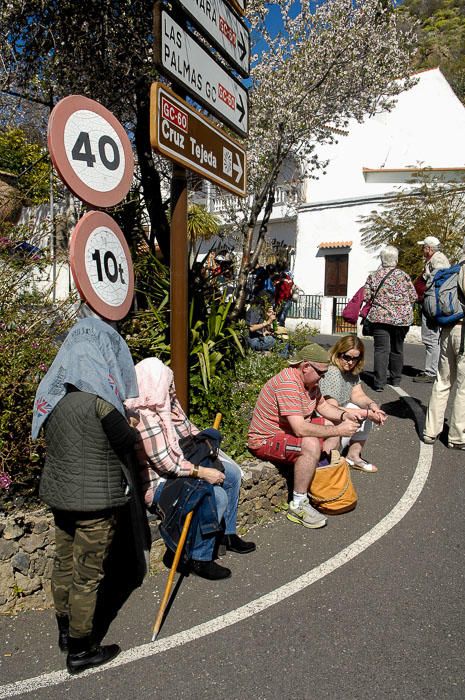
<point>341,386</point>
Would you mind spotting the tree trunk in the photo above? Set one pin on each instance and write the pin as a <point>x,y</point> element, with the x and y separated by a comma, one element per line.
<point>249,262</point>
<point>159,226</point>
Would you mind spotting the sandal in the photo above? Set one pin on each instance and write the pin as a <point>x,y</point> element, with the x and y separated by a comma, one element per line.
<point>362,465</point>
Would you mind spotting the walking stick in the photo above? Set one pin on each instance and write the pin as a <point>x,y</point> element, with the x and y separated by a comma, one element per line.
<point>177,556</point>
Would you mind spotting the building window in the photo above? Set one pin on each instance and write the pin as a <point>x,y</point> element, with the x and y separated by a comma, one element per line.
<point>336,268</point>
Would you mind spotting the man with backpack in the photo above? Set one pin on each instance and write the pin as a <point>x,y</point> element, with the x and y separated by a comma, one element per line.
<point>434,261</point>
<point>451,367</point>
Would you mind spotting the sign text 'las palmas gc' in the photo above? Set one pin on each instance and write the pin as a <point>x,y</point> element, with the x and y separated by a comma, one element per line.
<point>184,59</point>
<point>181,133</point>
<point>229,34</point>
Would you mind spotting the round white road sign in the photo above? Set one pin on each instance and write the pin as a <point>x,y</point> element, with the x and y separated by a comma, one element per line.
<point>101,265</point>
<point>90,151</point>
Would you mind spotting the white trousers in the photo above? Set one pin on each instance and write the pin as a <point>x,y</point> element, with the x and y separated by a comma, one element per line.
<point>451,370</point>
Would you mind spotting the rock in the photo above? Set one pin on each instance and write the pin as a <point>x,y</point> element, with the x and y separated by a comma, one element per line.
<point>7,549</point>
<point>275,488</point>
<point>40,526</point>
<point>31,543</point>
<point>7,581</point>
<point>21,562</point>
<point>26,585</point>
<point>12,531</point>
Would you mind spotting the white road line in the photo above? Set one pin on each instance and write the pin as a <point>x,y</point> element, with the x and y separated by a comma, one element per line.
<point>401,509</point>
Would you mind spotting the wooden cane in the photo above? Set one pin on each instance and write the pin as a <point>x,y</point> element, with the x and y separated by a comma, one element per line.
<point>177,556</point>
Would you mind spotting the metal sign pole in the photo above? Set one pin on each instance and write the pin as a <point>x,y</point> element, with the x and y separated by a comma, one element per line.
<point>178,284</point>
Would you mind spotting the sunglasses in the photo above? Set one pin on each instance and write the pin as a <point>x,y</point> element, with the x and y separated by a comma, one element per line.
<point>320,372</point>
<point>349,358</point>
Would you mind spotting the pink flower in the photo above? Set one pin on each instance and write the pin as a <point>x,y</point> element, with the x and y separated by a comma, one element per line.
<point>5,481</point>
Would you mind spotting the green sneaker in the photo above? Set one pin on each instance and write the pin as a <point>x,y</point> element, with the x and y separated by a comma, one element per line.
<point>305,515</point>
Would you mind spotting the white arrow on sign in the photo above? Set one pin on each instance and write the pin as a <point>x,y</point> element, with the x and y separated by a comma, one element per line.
<point>189,64</point>
<point>237,167</point>
<point>223,27</point>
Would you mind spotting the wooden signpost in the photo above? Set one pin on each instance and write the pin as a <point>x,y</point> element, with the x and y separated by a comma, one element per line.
<point>183,134</point>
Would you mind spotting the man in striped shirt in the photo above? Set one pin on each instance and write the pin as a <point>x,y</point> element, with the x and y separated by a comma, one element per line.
<point>285,430</point>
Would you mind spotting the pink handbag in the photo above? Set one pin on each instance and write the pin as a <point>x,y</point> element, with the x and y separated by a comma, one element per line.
<point>353,308</point>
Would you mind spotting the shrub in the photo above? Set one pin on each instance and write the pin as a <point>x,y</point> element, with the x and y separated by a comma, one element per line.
<point>28,328</point>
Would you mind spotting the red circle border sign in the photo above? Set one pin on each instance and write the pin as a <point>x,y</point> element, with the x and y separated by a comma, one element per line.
<point>59,117</point>
<point>77,252</point>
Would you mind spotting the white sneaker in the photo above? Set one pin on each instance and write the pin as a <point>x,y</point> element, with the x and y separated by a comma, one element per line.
<point>304,514</point>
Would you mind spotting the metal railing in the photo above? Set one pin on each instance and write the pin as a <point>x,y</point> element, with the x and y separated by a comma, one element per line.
<point>282,196</point>
<point>307,306</point>
<point>339,324</point>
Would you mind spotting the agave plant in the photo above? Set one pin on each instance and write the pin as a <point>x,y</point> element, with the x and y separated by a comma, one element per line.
<point>213,339</point>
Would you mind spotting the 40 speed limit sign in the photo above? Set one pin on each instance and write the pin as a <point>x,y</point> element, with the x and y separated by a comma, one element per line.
<point>101,265</point>
<point>90,150</point>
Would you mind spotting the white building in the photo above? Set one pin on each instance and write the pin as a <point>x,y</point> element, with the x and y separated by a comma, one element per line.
<point>366,167</point>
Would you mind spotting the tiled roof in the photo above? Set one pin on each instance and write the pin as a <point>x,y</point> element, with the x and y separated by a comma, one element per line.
<point>335,244</point>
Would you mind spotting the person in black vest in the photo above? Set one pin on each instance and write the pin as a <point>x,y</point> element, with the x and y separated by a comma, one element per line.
<point>79,405</point>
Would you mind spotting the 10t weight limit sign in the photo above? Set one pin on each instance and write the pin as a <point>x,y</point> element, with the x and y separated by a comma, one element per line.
<point>101,265</point>
<point>90,151</point>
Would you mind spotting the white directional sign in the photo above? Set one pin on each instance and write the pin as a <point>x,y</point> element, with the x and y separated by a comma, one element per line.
<point>223,27</point>
<point>101,265</point>
<point>184,59</point>
<point>90,151</point>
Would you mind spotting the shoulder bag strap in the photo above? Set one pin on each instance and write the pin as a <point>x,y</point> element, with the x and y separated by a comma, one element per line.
<point>381,284</point>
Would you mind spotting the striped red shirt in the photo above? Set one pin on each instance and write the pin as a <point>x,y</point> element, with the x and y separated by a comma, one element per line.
<point>283,395</point>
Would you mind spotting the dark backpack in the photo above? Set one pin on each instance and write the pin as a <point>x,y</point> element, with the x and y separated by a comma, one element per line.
<point>443,302</point>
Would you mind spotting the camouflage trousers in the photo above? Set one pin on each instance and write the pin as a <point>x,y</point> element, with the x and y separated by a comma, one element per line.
<point>82,541</point>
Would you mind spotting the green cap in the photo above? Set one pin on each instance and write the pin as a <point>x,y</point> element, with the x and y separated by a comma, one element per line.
<point>310,353</point>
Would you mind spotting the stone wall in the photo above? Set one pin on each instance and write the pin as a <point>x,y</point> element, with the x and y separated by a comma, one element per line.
<point>27,539</point>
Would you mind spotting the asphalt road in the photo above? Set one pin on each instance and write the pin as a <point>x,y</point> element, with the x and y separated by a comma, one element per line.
<point>369,607</point>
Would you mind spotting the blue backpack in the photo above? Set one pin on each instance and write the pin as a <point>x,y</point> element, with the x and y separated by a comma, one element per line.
<point>443,302</point>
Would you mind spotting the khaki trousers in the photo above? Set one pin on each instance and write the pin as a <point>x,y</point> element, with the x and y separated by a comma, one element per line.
<point>82,541</point>
<point>451,370</point>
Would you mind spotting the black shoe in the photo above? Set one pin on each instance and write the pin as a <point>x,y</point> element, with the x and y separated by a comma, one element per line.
<point>234,543</point>
<point>209,570</point>
<point>168,559</point>
<point>63,631</point>
<point>83,654</point>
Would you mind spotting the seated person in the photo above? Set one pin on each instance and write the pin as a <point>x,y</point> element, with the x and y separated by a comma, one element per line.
<point>284,428</point>
<point>341,386</point>
<point>260,319</point>
<point>162,422</point>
